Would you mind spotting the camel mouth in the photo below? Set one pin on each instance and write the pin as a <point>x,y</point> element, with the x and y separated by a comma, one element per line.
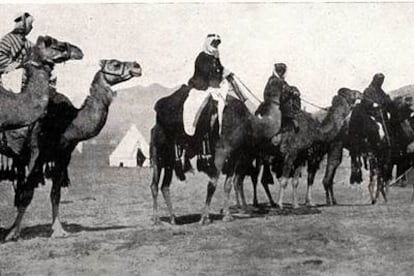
<point>136,72</point>
<point>76,54</point>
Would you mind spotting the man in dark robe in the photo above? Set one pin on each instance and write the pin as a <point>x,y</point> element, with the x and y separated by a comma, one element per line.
<point>290,104</point>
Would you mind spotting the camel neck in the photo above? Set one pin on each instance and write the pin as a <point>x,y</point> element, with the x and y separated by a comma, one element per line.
<point>101,91</point>
<point>336,117</point>
<point>92,115</point>
<point>37,82</point>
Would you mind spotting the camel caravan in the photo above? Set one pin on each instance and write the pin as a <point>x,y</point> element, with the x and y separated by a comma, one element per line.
<point>210,118</point>
<point>278,138</point>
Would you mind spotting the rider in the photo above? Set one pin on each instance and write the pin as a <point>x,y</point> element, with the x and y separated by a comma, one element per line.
<point>290,104</point>
<point>368,121</point>
<point>208,77</point>
<point>375,100</point>
<point>207,65</point>
<point>14,46</point>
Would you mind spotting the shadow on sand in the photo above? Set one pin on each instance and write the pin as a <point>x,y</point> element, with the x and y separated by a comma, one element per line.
<point>263,210</point>
<point>44,230</point>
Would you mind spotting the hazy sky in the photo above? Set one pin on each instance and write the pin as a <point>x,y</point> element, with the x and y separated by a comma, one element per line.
<point>326,46</point>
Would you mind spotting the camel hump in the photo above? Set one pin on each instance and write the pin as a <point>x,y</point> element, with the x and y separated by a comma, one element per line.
<point>236,105</point>
<point>173,101</point>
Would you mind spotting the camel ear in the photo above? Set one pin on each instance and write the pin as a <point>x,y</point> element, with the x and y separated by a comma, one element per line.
<point>40,41</point>
<point>48,41</point>
<point>102,63</point>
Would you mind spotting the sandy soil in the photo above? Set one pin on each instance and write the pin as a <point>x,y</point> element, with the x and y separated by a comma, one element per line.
<point>107,212</point>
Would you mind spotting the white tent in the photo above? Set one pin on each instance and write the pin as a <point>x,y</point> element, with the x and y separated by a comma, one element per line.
<point>130,150</point>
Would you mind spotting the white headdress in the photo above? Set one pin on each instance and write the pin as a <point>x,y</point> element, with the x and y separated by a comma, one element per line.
<point>208,48</point>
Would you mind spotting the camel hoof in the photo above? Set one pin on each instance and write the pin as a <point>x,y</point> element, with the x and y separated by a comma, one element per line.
<point>255,203</point>
<point>58,231</point>
<point>273,204</point>
<point>172,220</point>
<point>373,201</point>
<point>205,220</point>
<point>309,203</point>
<point>156,220</point>
<point>13,235</point>
<point>59,234</point>
<point>228,218</point>
<point>279,206</point>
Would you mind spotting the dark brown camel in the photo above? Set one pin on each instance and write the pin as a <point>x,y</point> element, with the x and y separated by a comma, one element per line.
<point>238,127</point>
<point>62,129</point>
<point>23,109</point>
<point>295,149</point>
<point>400,134</point>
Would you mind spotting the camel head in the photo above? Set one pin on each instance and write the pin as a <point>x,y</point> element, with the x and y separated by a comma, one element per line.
<point>351,96</point>
<point>51,50</point>
<point>115,71</point>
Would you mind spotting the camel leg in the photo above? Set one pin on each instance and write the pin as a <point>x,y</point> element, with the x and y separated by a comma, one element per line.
<point>23,197</point>
<point>283,184</point>
<point>412,195</point>
<point>254,183</point>
<point>264,184</point>
<point>333,161</point>
<point>156,173</point>
<point>211,188</point>
<point>227,191</point>
<point>237,191</point>
<point>312,169</point>
<point>287,169</point>
<point>269,195</point>
<point>220,157</point>
<point>311,179</point>
<point>334,202</point>
<point>57,229</point>
<point>238,184</point>
<point>372,186</point>
<point>295,184</point>
<point>383,192</point>
<point>242,195</point>
<point>60,178</point>
<point>165,188</point>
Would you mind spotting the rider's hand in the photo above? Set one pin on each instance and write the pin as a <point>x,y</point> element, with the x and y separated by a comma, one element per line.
<point>295,91</point>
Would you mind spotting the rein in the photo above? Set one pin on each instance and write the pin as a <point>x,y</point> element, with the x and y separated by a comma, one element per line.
<point>277,102</point>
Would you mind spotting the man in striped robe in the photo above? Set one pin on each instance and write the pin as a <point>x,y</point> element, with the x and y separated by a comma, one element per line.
<point>14,47</point>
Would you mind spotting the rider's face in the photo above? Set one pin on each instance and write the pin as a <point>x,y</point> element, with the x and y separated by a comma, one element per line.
<point>29,27</point>
<point>215,43</point>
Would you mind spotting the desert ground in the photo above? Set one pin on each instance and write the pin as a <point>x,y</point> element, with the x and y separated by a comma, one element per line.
<point>107,212</point>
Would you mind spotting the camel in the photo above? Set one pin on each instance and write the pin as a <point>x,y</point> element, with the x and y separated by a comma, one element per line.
<point>22,109</point>
<point>400,135</point>
<point>304,147</point>
<point>61,130</point>
<point>42,58</point>
<point>238,126</point>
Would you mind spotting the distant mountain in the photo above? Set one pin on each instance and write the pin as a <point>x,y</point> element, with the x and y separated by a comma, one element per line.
<point>404,91</point>
<point>134,105</point>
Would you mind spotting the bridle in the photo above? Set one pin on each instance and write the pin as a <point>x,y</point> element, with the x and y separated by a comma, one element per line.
<point>68,51</point>
<point>105,72</point>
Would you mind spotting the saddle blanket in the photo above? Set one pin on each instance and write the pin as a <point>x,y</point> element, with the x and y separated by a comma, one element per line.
<point>13,80</point>
<point>197,100</point>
